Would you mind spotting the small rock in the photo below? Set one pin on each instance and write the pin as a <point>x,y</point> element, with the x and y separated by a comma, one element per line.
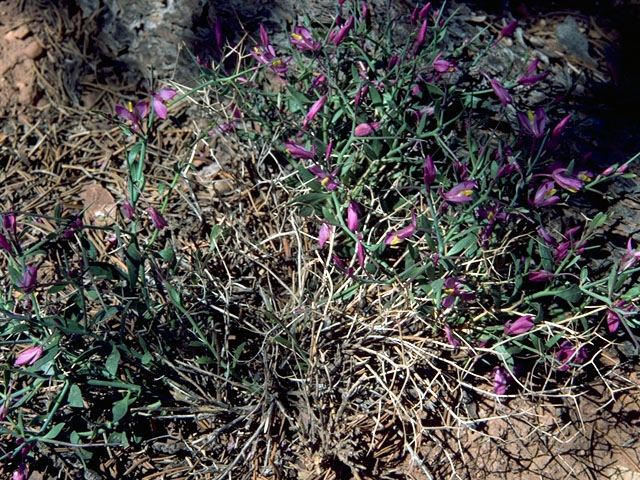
<point>574,41</point>
<point>33,49</point>
<point>18,34</point>
<point>26,93</point>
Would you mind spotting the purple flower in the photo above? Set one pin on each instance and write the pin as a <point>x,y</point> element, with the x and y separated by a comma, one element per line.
<point>461,169</point>
<point>128,210</point>
<point>424,11</point>
<point>421,34</point>
<point>73,227</point>
<point>453,289</point>
<point>341,265</point>
<point>353,213</point>
<point>533,65</point>
<point>29,279</point>
<point>534,123</point>
<point>317,82</point>
<point>133,114</point>
<point>360,251</point>
<point>158,100</point>
<point>443,66</point>
<point>298,151</point>
<point>396,236</point>
<point>21,473</point>
<point>509,29</point>
<point>454,342</point>
<point>326,179</point>
<point>4,243</point>
<point>366,129</point>
<point>324,235</point>
<point>568,353</point>
<point>613,321</point>
<point>562,248</point>
<point>499,90</point>
<point>545,195</point>
<point>301,38</point>
<point>630,257</point>
<point>266,55</point>
<point>528,80</point>
<point>313,111</point>
<point>157,219</point>
<point>501,380</point>
<point>28,356</point>
<point>557,131</point>
<point>460,193</point>
<point>428,171</point>
<point>9,223</point>
<point>393,61</point>
<point>228,126</point>
<point>565,181</point>
<point>541,276</point>
<point>338,38</point>
<point>365,11</point>
<point>520,325</point>
<point>360,94</point>
<point>614,317</point>
<point>546,236</point>
<point>414,16</point>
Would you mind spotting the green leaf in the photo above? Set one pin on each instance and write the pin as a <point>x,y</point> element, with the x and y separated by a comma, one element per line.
<point>310,199</point>
<point>216,231</point>
<point>57,288</point>
<point>82,453</point>
<point>553,340</point>
<point>547,257</point>
<point>167,255</point>
<point>133,261</point>
<point>106,270</point>
<point>432,89</point>
<point>120,408</point>
<point>54,431</point>
<point>174,294</point>
<point>633,293</point>
<point>598,221</point>
<point>74,398</point>
<point>376,99</point>
<point>461,245</point>
<point>113,360</point>
<point>329,216</point>
<point>571,294</point>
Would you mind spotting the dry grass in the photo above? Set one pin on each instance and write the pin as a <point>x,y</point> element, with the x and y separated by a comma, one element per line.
<point>317,376</point>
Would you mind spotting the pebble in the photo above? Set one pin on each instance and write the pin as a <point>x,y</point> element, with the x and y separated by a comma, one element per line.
<point>33,50</point>
<point>18,34</point>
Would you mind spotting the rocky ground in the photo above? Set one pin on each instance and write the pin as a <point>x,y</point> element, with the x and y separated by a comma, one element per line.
<point>60,61</point>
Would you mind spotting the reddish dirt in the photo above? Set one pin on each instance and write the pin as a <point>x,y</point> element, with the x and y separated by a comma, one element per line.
<point>20,50</point>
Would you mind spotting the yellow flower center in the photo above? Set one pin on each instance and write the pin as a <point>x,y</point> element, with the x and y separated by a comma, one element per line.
<point>466,193</point>
<point>395,240</point>
<point>277,62</point>
<point>130,106</point>
<point>296,36</point>
<point>324,181</point>
<point>449,291</point>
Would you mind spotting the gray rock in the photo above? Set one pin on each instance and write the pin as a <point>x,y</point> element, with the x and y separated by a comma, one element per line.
<point>574,41</point>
